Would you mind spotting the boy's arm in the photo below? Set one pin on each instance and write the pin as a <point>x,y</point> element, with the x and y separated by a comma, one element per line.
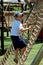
<point>24,24</point>
<point>25,29</point>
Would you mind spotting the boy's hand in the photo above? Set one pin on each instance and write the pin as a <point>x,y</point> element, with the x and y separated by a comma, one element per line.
<point>30,27</point>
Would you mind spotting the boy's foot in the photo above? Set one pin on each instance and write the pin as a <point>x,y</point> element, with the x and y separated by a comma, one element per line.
<point>16,61</point>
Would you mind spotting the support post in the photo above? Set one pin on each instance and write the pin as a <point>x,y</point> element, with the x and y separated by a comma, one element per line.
<point>2,32</point>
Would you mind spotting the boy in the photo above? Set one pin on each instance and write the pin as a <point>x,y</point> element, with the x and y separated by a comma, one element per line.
<point>17,41</point>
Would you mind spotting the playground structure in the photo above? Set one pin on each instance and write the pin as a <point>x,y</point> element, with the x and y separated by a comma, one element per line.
<point>7,24</point>
<point>8,17</point>
<point>37,12</point>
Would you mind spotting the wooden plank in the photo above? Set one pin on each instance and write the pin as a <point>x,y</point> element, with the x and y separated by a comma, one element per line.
<point>12,3</point>
<point>12,12</point>
<point>9,12</point>
<point>38,57</point>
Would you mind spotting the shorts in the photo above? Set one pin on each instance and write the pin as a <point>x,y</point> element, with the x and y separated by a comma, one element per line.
<point>18,42</point>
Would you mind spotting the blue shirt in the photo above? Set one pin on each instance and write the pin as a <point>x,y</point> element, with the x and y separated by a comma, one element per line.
<point>16,27</point>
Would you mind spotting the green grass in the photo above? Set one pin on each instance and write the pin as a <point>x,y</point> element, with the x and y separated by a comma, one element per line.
<point>32,54</point>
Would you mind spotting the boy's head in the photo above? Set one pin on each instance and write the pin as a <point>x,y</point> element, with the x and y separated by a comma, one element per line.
<point>18,15</point>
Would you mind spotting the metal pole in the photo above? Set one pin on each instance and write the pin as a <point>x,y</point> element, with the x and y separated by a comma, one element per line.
<point>2,32</point>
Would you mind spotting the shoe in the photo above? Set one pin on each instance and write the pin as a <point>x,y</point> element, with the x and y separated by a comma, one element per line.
<point>16,61</point>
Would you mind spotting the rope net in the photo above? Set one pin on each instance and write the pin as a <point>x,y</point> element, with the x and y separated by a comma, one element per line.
<point>37,13</point>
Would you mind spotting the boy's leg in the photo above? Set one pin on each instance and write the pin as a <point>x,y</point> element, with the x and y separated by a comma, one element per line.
<point>16,56</point>
<point>22,50</point>
<point>16,53</point>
